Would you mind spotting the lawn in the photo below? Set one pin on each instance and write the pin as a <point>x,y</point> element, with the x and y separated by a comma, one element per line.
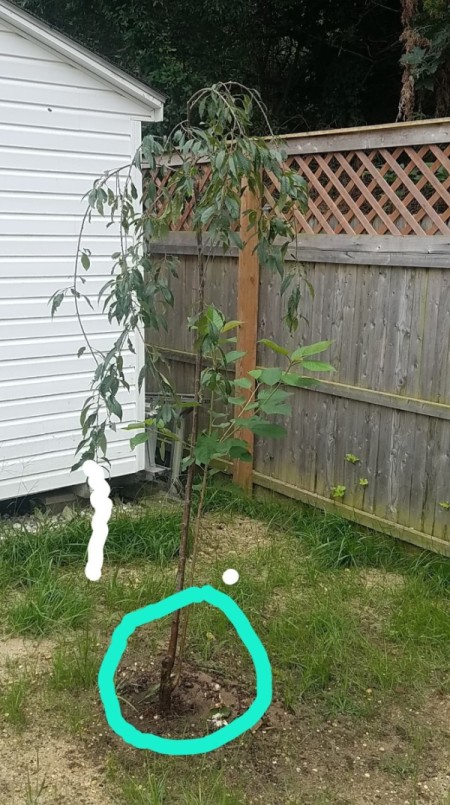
<point>356,625</point>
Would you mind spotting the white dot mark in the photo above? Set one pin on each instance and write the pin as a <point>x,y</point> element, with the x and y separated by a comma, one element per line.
<point>230,577</point>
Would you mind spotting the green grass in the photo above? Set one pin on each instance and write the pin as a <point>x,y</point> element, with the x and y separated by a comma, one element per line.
<point>123,594</point>
<point>166,788</point>
<point>26,556</point>
<point>149,790</point>
<point>13,697</point>
<point>52,603</point>
<point>331,541</point>
<point>76,663</point>
<point>353,622</point>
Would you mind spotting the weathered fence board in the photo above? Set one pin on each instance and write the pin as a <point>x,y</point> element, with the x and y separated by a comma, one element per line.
<point>384,301</point>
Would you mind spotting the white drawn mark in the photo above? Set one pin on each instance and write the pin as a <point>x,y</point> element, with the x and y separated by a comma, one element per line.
<point>230,577</point>
<point>102,506</point>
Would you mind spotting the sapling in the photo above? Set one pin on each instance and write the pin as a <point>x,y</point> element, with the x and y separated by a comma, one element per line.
<point>199,170</point>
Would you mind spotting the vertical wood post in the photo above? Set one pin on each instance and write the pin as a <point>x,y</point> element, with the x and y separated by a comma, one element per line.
<point>247,313</point>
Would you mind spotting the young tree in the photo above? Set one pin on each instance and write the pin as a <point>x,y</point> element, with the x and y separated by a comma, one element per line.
<point>213,139</point>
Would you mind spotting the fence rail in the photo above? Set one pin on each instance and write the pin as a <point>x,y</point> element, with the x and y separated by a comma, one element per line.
<point>383,299</point>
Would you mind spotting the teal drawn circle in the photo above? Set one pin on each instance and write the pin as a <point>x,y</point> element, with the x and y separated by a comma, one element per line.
<point>152,612</point>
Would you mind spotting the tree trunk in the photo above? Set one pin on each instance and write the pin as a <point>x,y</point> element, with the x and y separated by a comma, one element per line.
<point>167,665</point>
<point>443,90</point>
<point>409,39</point>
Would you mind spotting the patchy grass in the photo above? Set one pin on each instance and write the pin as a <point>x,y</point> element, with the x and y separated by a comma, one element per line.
<point>14,690</point>
<point>52,602</point>
<point>27,555</point>
<point>356,626</point>
<point>76,663</point>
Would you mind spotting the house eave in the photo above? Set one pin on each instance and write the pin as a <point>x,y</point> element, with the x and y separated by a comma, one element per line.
<point>72,51</point>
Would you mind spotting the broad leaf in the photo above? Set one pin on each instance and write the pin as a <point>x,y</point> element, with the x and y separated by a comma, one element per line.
<point>261,428</point>
<point>140,438</point>
<point>235,355</point>
<point>292,379</point>
<point>242,383</point>
<point>230,325</point>
<point>318,366</point>
<point>271,376</point>
<point>312,349</point>
<point>274,347</point>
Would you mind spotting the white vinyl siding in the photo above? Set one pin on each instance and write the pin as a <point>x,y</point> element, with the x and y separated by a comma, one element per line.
<point>60,127</point>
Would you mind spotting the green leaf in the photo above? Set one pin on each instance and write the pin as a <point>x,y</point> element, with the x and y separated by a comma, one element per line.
<point>81,351</point>
<point>338,492</point>
<point>297,381</point>
<point>312,349</point>
<point>242,383</point>
<point>233,356</point>
<point>85,261</point>
<point>207,448</point>
<point>274,402</point>
<point>140,438</point>
<point>261,428</point>
<point>274,347</point>
<point>318,366</point>
<point>237,449</point>
<point>56,301</point>
<point>230,325</point>
<point>115,407</point>
<point>271,376</point>
<point>278,409</point>
<point>101,441</point>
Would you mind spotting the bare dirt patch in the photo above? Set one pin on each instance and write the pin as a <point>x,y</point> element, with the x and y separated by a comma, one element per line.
<point>37,765</point>
<point>34,654</point>
<point>223,537</point>
<point>374,578</point>
<point>52,769</point>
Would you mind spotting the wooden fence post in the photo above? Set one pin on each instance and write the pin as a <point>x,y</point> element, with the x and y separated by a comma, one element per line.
<point>247,313</point>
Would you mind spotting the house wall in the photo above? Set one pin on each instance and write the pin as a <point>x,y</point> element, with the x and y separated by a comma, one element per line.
<point>60,127</point>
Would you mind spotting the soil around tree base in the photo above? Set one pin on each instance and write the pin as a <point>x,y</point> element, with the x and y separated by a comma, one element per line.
<point>202,702</point>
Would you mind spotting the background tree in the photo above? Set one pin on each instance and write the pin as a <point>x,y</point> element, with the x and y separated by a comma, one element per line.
<point>316,63</point>
<point>425,88</point>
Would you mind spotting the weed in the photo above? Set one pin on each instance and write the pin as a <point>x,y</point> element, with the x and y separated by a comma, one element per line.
<point>210,792</point>
<point>126,592</point>
<point>26,557</point>
<point>52,603</point>
<point>34,790</point>
<point>76,664</point>
<point>149,791</point>
<point>13,695</point>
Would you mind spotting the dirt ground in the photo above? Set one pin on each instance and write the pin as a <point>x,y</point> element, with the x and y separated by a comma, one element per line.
<point>285,753</point>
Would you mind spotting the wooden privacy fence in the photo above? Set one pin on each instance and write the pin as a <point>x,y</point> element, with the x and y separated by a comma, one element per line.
<point>375,245</point>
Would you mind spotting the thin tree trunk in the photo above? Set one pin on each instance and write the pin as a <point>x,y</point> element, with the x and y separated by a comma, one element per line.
<point>167,665</point>
<point>197,530</point>
<point>410,39</point>
<point>443,90</point>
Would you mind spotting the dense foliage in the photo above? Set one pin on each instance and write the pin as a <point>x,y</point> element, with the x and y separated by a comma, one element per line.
<point>426,61</point>
<point>316,63</point>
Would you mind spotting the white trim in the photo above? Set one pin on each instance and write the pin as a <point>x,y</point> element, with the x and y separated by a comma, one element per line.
<point>74,52</point>
<point>136,176</point>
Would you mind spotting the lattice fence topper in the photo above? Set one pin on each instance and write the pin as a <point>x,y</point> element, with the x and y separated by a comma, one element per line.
<point>394,191</point>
